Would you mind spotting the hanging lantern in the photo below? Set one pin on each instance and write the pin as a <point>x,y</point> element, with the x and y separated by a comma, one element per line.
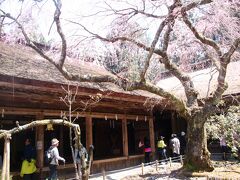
<point>116,116</point>
<point>137,118</point>
<point>145,118</point>
<point>106,118</point>
<point>49,127</point>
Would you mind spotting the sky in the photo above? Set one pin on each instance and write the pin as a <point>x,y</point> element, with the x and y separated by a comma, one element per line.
<point>43,12</point>
<point>76,10</point>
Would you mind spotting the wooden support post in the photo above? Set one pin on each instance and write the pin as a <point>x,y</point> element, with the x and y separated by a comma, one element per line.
<point>142,168</point>
<point>6,158</point>
<point>170,162</point>
<point>40,145</point>
<point>61,139</point>
<point>151,134</point>
<point>156,165</point>
<point>125,136</point>
<point>181,159</point>
<point>104,174</point>
<point>89,137</point>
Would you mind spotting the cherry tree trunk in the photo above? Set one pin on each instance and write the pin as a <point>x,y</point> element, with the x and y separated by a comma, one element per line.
<point>197,155</point>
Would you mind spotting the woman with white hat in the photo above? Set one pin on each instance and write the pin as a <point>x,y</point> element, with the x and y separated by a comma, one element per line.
<point>54,159</point>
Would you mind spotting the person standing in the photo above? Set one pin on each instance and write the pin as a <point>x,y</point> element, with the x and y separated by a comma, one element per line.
<point>161,148</point>
<point>147,149</point>
<point>80,157</point>
<point>28,169</point>
<point>55,158</point>
<point>223,145</point>
<point>183,143</point>
<point>175,145</point>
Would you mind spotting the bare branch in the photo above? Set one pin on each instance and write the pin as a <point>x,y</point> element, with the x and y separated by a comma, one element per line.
<point>200,37</point>
<point>179,104</point>
<point>185,80</point>
<point>122,38</point>
<point>232,49</point>
<point>58,5</point>
<point>152,48</point>
<point>166,37</point>
<point>134,11</point>
<point>1,25</point>
<point>190,92</point>
<point>63,70</point>
<point>196,4</point>
<point>28,40</point>
<point>224,61</point>
<point>169,20</point>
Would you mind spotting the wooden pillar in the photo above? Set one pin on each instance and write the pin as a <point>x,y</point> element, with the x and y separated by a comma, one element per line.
<point>40,144</point>
<point>151,134</point>
<point>89,136</point>
<point>125,136</point>
<point>6,158</point>
<point>61,139</point>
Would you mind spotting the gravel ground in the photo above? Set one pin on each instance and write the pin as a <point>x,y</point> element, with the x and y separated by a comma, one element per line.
<point>149,173</point>
<point>223,170</point>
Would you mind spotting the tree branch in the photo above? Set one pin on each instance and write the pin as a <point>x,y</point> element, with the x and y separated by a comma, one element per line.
<point>200,37</point>
<point>166,38</point>
<point>134,11</point>
<point>169,19</point>
<point>58,5</point>
<point>190,92</point>
<point>231,50</point>
<point>152,48</point>
<point>196,4</point>
<point>63,70</point>
<point>224,61</point>
<point>180,106</point>
<point>115,39</point>
<point>28,40</point>
<point>184,79</point>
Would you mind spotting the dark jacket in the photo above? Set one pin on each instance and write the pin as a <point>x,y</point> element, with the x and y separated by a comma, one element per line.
<point>29,152</point>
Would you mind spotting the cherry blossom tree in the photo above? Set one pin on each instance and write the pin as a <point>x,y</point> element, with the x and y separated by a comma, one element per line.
<point>180,32</point>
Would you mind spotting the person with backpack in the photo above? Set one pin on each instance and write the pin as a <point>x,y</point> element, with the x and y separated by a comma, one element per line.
<point>54,157</point>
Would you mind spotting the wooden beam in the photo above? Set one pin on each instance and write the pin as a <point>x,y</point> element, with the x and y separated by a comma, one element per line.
<point>53,102</point>
<point>56,88</point>
<point>151,134</point>
<point>89,136</point>
<point>125,136</point>
<point>28,111</point>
